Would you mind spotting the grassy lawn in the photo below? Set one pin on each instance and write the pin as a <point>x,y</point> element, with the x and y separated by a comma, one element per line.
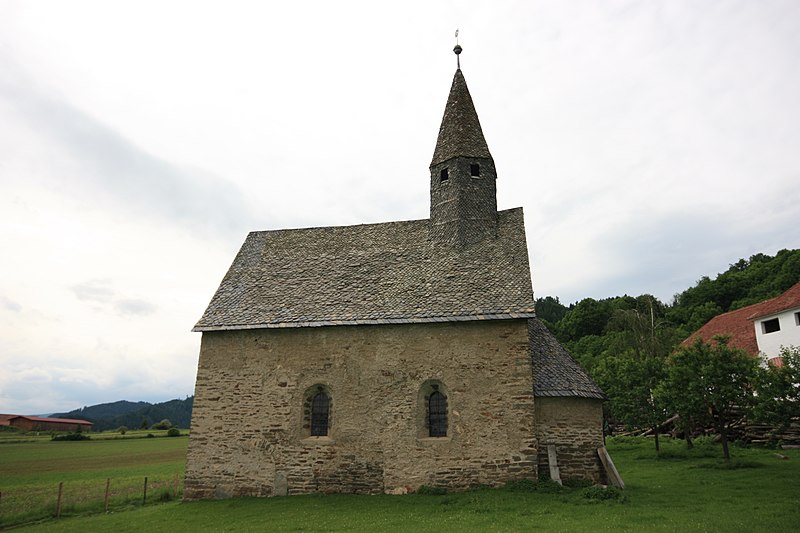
<point>680,491</point>
<point>30,473</point>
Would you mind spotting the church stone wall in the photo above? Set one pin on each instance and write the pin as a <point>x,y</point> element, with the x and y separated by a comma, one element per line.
<point>574,425</point>
<point>249,435</point>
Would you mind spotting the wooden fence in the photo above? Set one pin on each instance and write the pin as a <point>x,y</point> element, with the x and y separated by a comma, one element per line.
<point>25,504</point>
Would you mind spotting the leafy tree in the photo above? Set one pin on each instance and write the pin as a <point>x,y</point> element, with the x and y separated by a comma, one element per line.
<point>635,368</point>
<point>706,382</point>
<point>550,309</point>
<point>630,383</point>
<point>778,398</point>
<point>164,424</point>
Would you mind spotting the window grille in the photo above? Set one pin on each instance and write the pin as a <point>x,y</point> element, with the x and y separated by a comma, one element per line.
<point>437,415</point>
<point>320,406</point>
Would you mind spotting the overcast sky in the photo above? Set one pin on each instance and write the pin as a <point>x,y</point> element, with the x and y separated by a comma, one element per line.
<point>649,143</point>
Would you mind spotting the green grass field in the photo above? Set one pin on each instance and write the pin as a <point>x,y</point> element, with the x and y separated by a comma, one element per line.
<point>31,471</point>
<point>680,491</point>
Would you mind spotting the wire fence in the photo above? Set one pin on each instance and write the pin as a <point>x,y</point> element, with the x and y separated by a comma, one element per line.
<point>24,504</point>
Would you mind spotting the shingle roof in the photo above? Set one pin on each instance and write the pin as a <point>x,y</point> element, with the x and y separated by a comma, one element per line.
<point>460,133</point>
<point>372,274</point>
<point>555,372</point>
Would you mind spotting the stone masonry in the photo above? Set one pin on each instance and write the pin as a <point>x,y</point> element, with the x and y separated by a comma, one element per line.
<point>248,434</point>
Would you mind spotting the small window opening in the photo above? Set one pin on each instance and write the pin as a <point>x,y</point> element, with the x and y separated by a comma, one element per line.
<point>771,326</point>
<point>474,170</point>
<point>797,319</point>
<point>320,405</point>
<point>437,414</point>
<point>443,175</point>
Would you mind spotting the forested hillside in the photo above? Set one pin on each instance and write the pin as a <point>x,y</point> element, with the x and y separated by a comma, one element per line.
<point>592,329</point>
<point>134,415</point>
<point>628,345</point>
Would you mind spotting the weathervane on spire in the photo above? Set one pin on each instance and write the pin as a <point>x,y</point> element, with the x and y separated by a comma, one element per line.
<point>457,50</point>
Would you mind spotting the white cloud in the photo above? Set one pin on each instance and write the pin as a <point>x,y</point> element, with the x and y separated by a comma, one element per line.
<point>649,143</point>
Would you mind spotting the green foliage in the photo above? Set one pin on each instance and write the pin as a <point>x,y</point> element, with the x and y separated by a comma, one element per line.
<point>705,382</point>
<point>433,491</point>
<point>135,414</point>
<point>164,424</point>
<point>174,432</point>
<point>745,282</point>
<point>71,436</point>
<point>550,309</point>
<point>122,430</point>
<point>150,436</point>
<point>778,387</point>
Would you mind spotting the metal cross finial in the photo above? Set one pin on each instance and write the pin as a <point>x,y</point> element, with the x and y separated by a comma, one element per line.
<point>457,50</point>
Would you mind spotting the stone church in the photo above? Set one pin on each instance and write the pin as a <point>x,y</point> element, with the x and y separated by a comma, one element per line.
<point>383,357</point>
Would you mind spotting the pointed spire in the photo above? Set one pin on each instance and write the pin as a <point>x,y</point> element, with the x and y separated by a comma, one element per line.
<point>460,133</point>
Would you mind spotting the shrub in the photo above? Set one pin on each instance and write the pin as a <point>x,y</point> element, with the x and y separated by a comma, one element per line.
<point>164,424</point>
<point>122,430</point>
<point>71,436</point>
<point>150,436</point>
<point>433,491</point>
<point>174,432</point>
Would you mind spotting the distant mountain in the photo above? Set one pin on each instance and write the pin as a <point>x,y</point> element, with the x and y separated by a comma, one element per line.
<point>104,410</point>
<point>134,415</point>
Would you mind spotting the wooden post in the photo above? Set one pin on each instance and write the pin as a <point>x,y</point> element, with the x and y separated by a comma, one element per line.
<point>58,501</point>
<point>144,498</point>
<point>105,500</point>
<point>175,487</point>
<point>611,470</point>
<point>552,461</point>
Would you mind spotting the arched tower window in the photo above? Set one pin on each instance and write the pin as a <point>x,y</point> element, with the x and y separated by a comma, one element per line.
<point>320,410</point>
<point>437,414</point>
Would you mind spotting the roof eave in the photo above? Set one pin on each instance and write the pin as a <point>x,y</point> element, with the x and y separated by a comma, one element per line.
<point>368,322</point>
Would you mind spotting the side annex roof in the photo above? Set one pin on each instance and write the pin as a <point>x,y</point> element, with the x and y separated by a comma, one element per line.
<point>555,372</point>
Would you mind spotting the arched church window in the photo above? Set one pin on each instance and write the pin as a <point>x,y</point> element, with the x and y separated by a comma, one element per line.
<point>320,410</point>
<point>437,414</point>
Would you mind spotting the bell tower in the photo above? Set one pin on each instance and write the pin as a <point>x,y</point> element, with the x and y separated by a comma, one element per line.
<point>463,176</point>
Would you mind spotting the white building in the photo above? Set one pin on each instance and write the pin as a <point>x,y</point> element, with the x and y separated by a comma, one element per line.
<point>777,323</point>
<point>759,329</point>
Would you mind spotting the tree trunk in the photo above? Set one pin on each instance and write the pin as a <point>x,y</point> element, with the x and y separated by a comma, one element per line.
<point>689,443</point>
<point>655,432</point>
<point>723,435</point>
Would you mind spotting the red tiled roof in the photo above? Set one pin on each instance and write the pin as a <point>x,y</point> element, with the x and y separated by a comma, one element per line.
<point>788,300</point>
<point>738,324</point>
<point>734,324</point>
<point>61,420</point>
<point>5,418</point>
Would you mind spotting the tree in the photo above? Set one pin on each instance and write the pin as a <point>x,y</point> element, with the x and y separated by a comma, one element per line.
<point>632,374</point>
<point>706,382</point>
<point>630,384</point>
<point>778,400</point>
<point>164,424</point>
